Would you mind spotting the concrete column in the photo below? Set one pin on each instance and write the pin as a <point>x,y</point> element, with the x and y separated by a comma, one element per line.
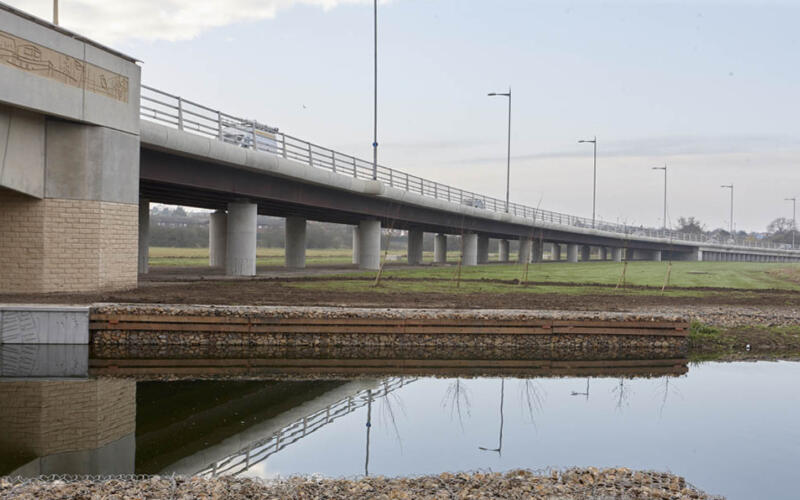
<point>525,249</point>
<point>217,238</point>
<point>415,246</point>
<point>483,249</point>
<point>656,256</point>
<point>355,244</point>
<point>440,249</point>
<point>469,249</point>
<point>144,235</point>
<point>369,244</point>
<point>295,242</point>
<point>537,250</point>
<point>556,252</point>
<point>572,253</point>
<point>586,253</point>
<point>240,251</point>
<point>603,253</point>
<point>502,250</point>
<point>616,254</point>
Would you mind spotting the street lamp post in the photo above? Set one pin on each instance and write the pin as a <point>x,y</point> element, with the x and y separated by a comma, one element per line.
<point>375,94</point>
<point>730,186</point>
<point>55,12</point>
<point>594,177</point>
<point>664,168</point>
<point>794,216</point>
<point>508,154</point>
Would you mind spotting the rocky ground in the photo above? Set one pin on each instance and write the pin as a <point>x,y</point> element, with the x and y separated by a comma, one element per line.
<point>618,483</point>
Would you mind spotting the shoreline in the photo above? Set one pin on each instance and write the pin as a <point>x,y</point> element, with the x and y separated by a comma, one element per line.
<point>570,483</point>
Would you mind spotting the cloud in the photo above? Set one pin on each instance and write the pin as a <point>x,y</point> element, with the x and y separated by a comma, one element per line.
<point>112,21</point>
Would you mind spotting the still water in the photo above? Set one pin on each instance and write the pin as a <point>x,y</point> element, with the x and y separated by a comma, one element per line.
<point>729,428</point>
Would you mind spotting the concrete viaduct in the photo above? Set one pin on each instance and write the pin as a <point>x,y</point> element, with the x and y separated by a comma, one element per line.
<point>84,149</point>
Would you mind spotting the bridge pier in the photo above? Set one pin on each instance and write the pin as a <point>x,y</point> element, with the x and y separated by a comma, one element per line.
<point>295,242</point>
<point>483,249</point>
<point>440,249</point>
<point>144,235</point>
<point>415,237</point>
<point>469,249</point>
<point>355,244</point>
<point>240,251</point>
<point>537,251</point>
<point>556,252</point>
<point>525,249</point>
<point>586,253</point>
<point>572,253</point>
<point>217,238</point>
<point>603,253</point>
<point>503,250</point>
<point>616,254</point>
<point>369,244</point>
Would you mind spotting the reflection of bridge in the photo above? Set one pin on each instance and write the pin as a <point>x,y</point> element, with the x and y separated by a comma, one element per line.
<point>80,166</point>
<point>301,422</point>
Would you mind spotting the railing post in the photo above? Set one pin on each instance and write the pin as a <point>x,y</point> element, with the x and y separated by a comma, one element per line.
<point>219,125</point>
<point>333,161</point>
<point>355,168</point>
<point>310,155</point>
<point>180,113</point>
<point>391,177</point>
<point>283,136</point>
<point>255,139</point>
<point>407,182</point>
<point>436,190</point>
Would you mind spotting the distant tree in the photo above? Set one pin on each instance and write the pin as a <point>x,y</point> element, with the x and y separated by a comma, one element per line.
<point>780,230</point>
<point>690,225</point>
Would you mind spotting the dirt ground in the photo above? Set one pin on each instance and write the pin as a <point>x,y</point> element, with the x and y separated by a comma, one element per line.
<point>188,286</point>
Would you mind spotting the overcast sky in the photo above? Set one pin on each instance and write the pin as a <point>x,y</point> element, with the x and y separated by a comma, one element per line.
<point>708,87</point>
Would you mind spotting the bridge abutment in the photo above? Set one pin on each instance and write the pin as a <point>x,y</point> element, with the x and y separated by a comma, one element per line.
<point>217,238</point>
<point>440,249</point>
<point>295,242</point>
<point>240,251</point>
<point>144,236</point>
<point>415,238</point>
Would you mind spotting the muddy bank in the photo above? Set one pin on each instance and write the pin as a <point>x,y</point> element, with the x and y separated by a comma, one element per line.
<point>569,484</point>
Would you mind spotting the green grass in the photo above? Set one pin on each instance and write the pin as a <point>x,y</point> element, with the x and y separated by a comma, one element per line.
<point>739,275</point>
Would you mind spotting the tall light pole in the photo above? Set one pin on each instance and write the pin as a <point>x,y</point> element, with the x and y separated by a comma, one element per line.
<point>594,178</point>
<point>508,154</point>
<point>55,12</point>
<point>794,216</point>
<point>730,186</point>
<point>375,94</point>
<point>664,168</point>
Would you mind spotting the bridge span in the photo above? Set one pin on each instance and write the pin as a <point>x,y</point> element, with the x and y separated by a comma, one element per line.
<point>85,149</point>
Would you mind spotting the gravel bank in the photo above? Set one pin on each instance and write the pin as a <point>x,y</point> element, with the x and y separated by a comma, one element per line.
<point>731,316</point>
<point>619,483</point>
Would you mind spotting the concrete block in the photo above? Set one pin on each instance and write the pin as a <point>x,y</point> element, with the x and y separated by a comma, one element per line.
<point>43,324</point>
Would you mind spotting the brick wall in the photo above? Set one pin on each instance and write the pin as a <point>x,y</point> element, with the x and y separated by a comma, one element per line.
<point>57,245</point>
<point>48,417</point>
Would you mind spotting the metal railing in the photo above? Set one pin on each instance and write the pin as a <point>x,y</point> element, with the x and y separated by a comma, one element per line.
<point>262,449</point>
<point>192,117</point>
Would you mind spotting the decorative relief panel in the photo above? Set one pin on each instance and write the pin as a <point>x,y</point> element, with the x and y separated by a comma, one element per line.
<point>48,63</point>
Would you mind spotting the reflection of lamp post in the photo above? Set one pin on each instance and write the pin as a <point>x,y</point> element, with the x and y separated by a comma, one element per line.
<point>369,426</point>
<point>583,393</point>
<point>794,215</point>
<point>594,178</point>
<point>499,448</point>
<point>508,155</point>
<point>730,186</point>
<point>664,168</point>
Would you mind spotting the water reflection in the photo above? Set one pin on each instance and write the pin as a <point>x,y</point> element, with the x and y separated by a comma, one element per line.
<point>720,425</point>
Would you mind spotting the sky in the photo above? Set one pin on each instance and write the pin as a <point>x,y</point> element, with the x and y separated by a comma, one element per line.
<point>709,88</point>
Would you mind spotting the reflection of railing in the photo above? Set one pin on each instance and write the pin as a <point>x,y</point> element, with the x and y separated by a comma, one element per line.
<point>260,450</point>
<point>191,117</point>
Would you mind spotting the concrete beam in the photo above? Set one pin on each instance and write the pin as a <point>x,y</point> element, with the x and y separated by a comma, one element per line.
<point>240,252</point>
<point>469,249</point>
<point>144,235</point>
<point>369,244</point>
<point>295,242</point>
<point>217,238</point>
<point>415,237</point>
<point>440,249</point>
